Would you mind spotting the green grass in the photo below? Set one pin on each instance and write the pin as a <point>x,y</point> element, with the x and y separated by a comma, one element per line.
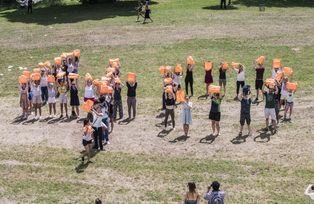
<point>49,174</point>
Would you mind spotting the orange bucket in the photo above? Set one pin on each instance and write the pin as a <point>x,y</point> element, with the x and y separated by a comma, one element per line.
<point>35,76</point>
<point>51,79</point>
<point>168,81</point>
<point>88,77</point>
<point>131,77</point>
<point>287,71</point>
<point>87,105</point>
<point>60,75</point>
<point>235,65</point>
<point>23,79</point>
<point>270,83</point>
<point>180,96</point>
<point>47,64</point>
<point>168,89</point>
<point>292,86</point>
<point>77,53</point>
<point>279,77</point>
<point>27,74</point>
<point>260,60</point>
<point>276,63</point>
<point>190,60</point>
<point>225,66</point>
<point>214,89</point>
<point>178,68</point>
<point>36,70</point>
<point>208,65</point>
<point>117,81</point>
<point>57,60</point>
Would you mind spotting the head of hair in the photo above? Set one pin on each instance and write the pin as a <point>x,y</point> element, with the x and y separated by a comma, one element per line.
<point>312,187</point>
<point>216,186</point>
<point>98,201</point>
<point>192,187</point>
<point>86,121</point>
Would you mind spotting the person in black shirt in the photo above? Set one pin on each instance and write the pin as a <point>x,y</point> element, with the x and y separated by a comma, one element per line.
<point>147,14</point>
<point>117,101</point>
<point>245,113</point>
<point>189,79</point>
<point>259,80</point>
<point>223,4</point>
<point>170,103</point>
<point>131,101</point>
<point>222,78</point>
<point>29,6</point>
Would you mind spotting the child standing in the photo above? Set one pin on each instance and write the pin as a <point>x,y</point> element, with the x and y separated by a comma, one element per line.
<point>24,100</point>
<point>170,103</point>
<point>63,99</point>
<point>36,90</point>
<point>189,79</point>
<point>97,126</point>
<point>89,93</point>
<point>208,79</point>
<point>117,101</point>
<point>131,101</point>
<point>259,80</point>
<point>44,86</point>
<point>87,139</point>
<point>289,104</point>
<point>214,114</point>
<point>245,113</point>
<point>240,79</point>
<point>52,100</point>
<point>186,115</point>
<point>270,105</point>
<point>74,100</point>
<point>147,14</point>
<point>222,78</point>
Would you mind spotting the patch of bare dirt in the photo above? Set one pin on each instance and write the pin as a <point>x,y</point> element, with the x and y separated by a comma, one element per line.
<point>292,145</point>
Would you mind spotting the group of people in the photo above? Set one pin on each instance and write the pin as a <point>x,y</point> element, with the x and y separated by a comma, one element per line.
<point>52,84</point>
<point>278,91</point>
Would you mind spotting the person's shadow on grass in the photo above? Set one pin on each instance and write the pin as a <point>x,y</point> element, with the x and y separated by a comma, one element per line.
<point>263,136</point>
<point>125,121</point>
<point>17,120</point>
<point>83,166</point>
<point>239,139</point>
<point>181,138</point>
<point>163,133</point>
<point>208,139</point>
<point>202,97</point>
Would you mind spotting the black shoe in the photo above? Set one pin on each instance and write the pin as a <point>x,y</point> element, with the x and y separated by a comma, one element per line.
<point>82,159</point>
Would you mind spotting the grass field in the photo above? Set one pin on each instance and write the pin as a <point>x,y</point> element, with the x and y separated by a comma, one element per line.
<point>37,167</point>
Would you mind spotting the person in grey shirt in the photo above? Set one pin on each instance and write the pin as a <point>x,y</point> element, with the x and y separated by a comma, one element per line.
<point>214,196</point>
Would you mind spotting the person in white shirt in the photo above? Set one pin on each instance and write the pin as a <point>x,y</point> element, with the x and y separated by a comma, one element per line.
<point>98,127</point>
<point>36,90</point>
<point>89,93</point>
<point>186,115</point>
<point>310,191</point>
<point>215,196</point>
<point>240,79</point>
<point>289,104</point>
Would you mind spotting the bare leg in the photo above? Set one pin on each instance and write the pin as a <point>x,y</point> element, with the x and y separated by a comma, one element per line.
<point>77,111</point>
<point>66,109</point>
<point>217,127</point>
<point>267,123</point>
<point>207,85</point>
<point>249,129</point>
<point>187,129</point>
<point>50,108</point>
<point>61,108</point>
<point>35,107</point>
<point>241,129</point>
<point>290,113</point>
<point>213,127</point>
<point>54,108</point>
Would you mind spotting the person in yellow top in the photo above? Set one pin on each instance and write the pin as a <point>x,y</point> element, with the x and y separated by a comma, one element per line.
<point>63,99</point>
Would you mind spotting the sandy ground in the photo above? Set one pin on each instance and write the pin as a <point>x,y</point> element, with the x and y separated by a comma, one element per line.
<point>292,145</point>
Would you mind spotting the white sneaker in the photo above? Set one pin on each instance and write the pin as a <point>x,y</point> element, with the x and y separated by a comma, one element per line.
<point>50,116</point>
<point>108,142</point>
<point>39,117</point>
<point>173,129</point>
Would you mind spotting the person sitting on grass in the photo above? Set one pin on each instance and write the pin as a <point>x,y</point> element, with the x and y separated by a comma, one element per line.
<point>214,113</point>
<point>191,197</point>
<point>245,112</point>
<point>270,104</point>
<point>147,14</point>
<point>214,196</point>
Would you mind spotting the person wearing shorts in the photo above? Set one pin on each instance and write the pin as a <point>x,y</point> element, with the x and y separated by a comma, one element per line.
<point>214,113</point>
<point>52,100</point>
<point>36,99</point>
<point>87,139</point>
<point>63,99</point>
<point>222,78</point>
<point>270,104</point>
<point>289,104</point>
<point>259,80</point>
<point>245,112</point>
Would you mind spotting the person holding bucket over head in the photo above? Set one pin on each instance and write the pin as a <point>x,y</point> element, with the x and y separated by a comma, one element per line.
<point>291,88</point>
<point>245,112</point>
<point>89,93</point>
<point>186,115</point>
<point>208,66</point>
<point>259,80</point>
<point>131,94</point>
<point>170,102</point>
<point>24,102</point>
<point>74,99</point>
<point>214,113</point>
<point>52,100</point>
<point>63,99</point>
<point>44,86</point>
<point>87,139</point>
<point>117,100</point>
<point>189,75</point>
<point>37,102</point>
<point>270,104</point>
<point>239,69</point>
<point>223,67</point>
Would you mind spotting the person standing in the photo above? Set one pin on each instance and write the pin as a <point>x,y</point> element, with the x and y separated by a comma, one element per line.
<point>270,105</point>
<point>245,112</point>
<point>214,196</point>
<point>131,101</point>
<point>74,100</point>
<point>97,126</point>
<point>222,77</point>
<point>117,101</point>
<point>208,80</point>
<point>223,4</point>
<point>147,14</point>
<point>191,197</point>
<point>186,115</point>
<point>189,79</point>
<point>240,79</point>
<point>259,80</point>
<point>214,113</point>
<point>170,103</point>
<point>29,6</point>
